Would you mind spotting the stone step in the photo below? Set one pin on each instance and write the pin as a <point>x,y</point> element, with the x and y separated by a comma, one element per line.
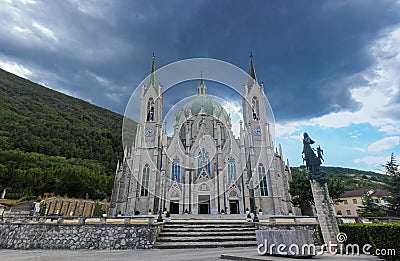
<point>207,238</point>
<point>185,229</point>
<point>207,233</point>
<point>172,245</point>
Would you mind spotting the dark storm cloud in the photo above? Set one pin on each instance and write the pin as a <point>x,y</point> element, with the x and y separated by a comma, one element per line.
<point>101,50</point>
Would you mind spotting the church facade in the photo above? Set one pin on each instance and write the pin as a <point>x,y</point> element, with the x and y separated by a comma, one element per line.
<point>202,168</point>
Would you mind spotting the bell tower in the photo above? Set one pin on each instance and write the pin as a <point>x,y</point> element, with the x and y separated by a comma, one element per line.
<point>257,139</point>
<point>146,164</point>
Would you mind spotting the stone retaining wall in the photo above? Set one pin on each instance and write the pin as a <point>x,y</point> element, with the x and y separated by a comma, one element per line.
<point>46,236</point>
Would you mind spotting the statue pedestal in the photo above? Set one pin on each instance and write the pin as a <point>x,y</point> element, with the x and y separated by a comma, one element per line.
<point>325,212</point>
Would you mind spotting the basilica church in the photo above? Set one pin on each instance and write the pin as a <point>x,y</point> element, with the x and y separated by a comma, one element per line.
<point>202,168</point>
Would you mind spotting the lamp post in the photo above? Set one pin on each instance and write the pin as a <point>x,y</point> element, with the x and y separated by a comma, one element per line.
<point>159,218</point>
<point>255,218</point>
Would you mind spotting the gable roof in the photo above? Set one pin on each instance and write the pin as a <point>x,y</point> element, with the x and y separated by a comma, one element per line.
<point>360,192</point>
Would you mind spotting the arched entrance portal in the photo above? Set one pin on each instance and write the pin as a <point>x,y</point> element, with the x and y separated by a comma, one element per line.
<point>233,202</point>
<point>204,204</point>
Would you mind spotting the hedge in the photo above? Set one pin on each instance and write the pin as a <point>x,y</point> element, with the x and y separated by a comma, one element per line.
<point>380,236</point>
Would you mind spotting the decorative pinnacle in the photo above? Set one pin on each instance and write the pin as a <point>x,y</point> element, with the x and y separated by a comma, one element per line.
<point>202,88</point>
<point>252,70</point>
<point>153,78</point>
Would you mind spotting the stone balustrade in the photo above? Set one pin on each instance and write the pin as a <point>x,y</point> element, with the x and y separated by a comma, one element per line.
<point>304,220</point>
<point>78,220</point>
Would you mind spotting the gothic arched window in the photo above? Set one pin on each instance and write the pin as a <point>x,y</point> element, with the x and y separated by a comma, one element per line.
<point>263,180</point>
<point>144,191</point>
<point>231,170</point>
<point>150,110</point>
<point>176,171</point>
<point>203,161</point>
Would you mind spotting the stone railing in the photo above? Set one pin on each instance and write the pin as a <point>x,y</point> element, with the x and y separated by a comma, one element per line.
<point>78,220</point>
<point>367,220</point>
<point>309,220</point>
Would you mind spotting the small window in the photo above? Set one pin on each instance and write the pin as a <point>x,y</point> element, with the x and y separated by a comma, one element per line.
<point>345,202</point>
<point>263,180</point>
<point>176,171</point>
<point>354,201</point>
<point>348,212</point>
<point>231,170</point>
<point>144,191</point>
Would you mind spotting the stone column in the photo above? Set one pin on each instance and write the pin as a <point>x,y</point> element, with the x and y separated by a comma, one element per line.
<point>325,212</point>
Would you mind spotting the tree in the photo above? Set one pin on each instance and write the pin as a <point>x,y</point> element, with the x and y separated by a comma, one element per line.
<point>300,190</point>
<point>369,207</point>
<point>392,169</point>
<point>336,188</point>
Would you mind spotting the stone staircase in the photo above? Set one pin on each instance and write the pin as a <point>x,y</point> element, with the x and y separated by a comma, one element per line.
<point>206,234</point>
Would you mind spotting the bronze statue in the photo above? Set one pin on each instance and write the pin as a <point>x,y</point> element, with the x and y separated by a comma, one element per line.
<point>313,162</point>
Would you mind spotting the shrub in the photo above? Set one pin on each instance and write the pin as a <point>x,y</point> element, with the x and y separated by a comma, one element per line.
<point>28,197</point>
<point>380,236</point>
<point>98,210</point>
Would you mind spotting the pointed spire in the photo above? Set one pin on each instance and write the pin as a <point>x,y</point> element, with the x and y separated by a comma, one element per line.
<point>202,88</point>
<point>252,71</point>
<point>153,78</point>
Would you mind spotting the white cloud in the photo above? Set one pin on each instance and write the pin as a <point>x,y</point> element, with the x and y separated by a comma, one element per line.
<point>390,129</point>
<point>234,109</point>
<point>93,8</point>
<point>15,68</point>
<point>285,130</point>
<point>374,161</point>
<point>359,149</point>
<point>384,144</point>
<point>25,2</point>
<point>46,31</point>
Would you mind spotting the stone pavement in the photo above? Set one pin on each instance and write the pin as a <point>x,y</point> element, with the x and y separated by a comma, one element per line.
<point>156,254</point>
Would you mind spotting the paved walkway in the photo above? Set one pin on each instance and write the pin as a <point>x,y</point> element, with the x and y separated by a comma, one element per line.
<point>156,254</point>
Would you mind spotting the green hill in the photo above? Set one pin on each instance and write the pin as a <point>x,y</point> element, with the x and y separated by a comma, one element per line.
<point>50,141</point>
<point>357,179</point>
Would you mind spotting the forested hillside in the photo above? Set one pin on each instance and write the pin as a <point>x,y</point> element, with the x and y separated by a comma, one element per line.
<point>357,179</point>
<point>49,141</point>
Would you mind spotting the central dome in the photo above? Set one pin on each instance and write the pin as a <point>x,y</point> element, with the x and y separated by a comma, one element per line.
<point>204,104</point>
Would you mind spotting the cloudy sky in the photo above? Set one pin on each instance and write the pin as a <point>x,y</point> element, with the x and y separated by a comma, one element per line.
<point>330,68</point>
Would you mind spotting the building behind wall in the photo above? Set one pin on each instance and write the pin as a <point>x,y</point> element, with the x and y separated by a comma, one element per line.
<point>203,168</point>
<point>349,202</point>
